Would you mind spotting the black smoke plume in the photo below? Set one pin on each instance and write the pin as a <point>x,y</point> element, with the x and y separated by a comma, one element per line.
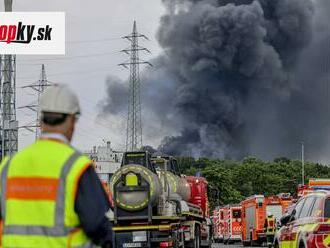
<point>239,77</point>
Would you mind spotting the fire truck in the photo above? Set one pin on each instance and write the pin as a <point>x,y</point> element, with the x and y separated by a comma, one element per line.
<point>156,206</point>
<point>221,224</point>
<point>232,223</point>
<point>218,224</point>
<point>259,216</point>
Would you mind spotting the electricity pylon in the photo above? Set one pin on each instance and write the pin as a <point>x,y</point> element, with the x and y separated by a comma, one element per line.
<point>39,87</point>
<point>9,124</point>
<point>134,125</point>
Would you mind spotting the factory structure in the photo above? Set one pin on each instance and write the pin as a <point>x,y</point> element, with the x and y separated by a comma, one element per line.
<point>106,161</point>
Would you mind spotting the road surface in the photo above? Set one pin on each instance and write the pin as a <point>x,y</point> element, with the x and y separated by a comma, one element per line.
<point>227,246</point>
<point>237,245</point>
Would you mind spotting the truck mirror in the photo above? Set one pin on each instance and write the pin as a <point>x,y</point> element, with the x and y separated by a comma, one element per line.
<point>288,218</point>
<point>285,219</point>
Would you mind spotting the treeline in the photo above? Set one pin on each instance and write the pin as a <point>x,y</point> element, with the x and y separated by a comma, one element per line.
<point>232,181</point>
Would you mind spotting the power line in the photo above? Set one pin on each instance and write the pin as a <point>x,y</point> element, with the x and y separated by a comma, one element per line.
<point>92,41</point>
<point>89,71</point>
<point>68,57</point>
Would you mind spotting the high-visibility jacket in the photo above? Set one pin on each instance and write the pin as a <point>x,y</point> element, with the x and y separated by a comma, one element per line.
<point>38,188</point>
<point>270,225</point>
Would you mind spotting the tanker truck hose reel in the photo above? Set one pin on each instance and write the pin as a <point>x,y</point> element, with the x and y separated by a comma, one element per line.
<point>134,187</point>
<point>131,183</point>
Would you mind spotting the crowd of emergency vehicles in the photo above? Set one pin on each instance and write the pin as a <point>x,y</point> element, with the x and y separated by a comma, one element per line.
<point>278,221</point>
<point>156,206</point>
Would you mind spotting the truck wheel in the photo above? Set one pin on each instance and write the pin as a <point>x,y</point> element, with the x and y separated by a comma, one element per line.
<point>197,241</point>
<point>252,243</point>
<point>246,243</point>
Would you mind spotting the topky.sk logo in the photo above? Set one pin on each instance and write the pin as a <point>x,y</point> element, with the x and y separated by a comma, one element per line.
<point>21,33</point>
<point>32,33</point>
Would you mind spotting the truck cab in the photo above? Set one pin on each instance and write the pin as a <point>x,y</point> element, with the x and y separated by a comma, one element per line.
<point>166,163</point>
<point>140,158</point>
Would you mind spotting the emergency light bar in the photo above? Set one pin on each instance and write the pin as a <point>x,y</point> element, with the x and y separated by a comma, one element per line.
<point>323,187</point>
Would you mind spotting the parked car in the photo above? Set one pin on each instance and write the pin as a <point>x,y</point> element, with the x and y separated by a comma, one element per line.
<point>307,224</point>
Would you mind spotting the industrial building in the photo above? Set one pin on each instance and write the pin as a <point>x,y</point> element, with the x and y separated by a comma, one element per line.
<point>106,160</point>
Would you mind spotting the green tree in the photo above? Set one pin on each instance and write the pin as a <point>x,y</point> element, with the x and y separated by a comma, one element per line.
<point>231,181</point>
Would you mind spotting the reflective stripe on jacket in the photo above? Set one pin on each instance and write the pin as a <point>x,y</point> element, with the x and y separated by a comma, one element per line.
<point>38,188</point>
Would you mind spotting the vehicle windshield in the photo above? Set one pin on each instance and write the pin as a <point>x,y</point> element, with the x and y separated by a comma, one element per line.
<point>237,213</point>
<point>159,166</point>
<point>327,208</point>
<point>135,158</point>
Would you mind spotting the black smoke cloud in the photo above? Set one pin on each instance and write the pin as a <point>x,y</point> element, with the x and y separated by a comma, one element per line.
<point>117,92</point>
<point>239,78</point>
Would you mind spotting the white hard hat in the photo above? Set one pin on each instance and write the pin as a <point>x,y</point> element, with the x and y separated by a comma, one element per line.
<point>58,98</point>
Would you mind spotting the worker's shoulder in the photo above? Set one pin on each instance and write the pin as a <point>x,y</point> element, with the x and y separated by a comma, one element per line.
<point>3,162</point>
<point>82,156</point>
<point>52,148</point>
<point>47,148</point>
<point>82,163</point>
<point>23,152</point>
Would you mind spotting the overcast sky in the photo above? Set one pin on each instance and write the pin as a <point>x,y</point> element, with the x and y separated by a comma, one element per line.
<point>93,31</point>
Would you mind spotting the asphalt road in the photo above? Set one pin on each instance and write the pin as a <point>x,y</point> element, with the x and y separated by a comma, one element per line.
<point>227,246</point>
<point>236,245</point>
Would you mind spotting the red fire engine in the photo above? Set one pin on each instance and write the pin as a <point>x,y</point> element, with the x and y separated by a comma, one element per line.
<point>232,223</point>
<point>215,224</point>
<point>218,224</point>
<point>227,224</point>
<point>259,216</point>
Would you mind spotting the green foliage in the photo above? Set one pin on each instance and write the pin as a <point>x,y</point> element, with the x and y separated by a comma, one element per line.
<point>232,181</point>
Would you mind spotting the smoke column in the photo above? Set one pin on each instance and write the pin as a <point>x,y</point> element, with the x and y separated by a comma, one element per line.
<point>238,78</point>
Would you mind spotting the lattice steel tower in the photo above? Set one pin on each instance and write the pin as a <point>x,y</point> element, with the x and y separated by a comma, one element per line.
<point>9,125</point>
<point>39,87</point>
<point>134,125</point>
